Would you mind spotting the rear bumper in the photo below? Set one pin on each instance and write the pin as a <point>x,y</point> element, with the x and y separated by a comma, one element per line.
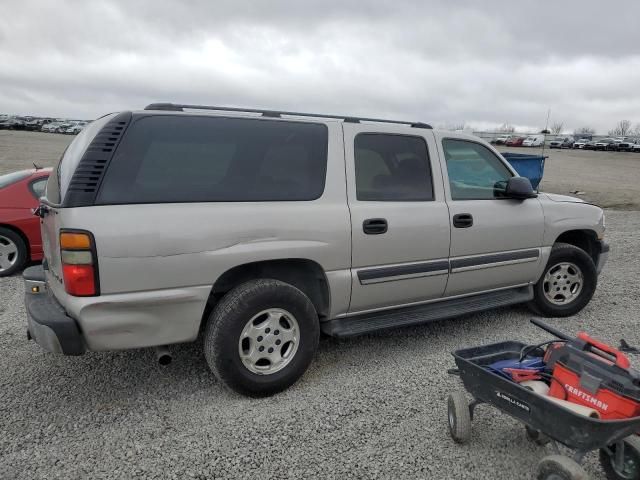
<point>603,257</point>
<point>47,322</point>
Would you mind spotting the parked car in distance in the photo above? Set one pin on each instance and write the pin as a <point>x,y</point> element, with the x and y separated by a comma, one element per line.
<point>561,142</point>
<point>434,224</point>
<point>33,125</point>
<point>533,141</point>
<point>50,127</point>
<point>76,128</point>
<point>12,123</point>
<point>581,143</point>
<point>636,147</point>
<point>56,127</point>
<point>604,144</point>
<point>627,144</point>
<point>501,140</point>
<point>20,240</point>
<point>515,142</point>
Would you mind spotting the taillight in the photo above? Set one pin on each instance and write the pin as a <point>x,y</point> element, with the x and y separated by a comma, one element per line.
<point>79,263</point>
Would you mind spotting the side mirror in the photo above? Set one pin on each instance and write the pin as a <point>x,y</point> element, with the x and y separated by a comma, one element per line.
<point>519,188</point>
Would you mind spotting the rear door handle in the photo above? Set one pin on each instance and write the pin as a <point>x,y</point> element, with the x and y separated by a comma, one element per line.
<point>463,220</point>
<point>375,226</point>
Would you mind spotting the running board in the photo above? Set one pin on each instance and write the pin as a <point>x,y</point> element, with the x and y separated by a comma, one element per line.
<point>404,317</point>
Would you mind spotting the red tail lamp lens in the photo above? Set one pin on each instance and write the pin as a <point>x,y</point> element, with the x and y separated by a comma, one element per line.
<point>78,263</point>
<point>79,280</point>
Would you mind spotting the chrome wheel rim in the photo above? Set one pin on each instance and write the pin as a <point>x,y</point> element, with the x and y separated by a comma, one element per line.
<point>563,283</point>
<point>8,253</point>
<point>269,341</point>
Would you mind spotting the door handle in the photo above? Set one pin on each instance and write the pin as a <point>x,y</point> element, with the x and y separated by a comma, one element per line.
<point>375,226</point>
<point>463,220</point>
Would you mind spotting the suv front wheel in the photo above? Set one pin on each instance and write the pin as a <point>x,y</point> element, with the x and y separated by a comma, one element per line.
<point>261,337</point>
<point>567,284</point>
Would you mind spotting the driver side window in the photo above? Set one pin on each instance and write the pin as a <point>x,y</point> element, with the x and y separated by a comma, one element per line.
<point>475,172</point>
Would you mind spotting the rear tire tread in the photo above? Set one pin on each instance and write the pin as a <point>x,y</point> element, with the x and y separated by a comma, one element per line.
<point>224,317</point>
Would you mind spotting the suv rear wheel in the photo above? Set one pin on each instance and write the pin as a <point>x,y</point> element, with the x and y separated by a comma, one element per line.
<point>261,337</point>
<point>567,284</point>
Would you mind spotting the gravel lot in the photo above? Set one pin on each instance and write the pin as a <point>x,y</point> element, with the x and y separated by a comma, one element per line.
<point>369,407</point>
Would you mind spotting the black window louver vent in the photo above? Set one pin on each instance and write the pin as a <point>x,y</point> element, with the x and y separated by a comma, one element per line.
<point>86,179</point>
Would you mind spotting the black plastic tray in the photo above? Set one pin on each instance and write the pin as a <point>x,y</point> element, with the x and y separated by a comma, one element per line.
<point>555,421</point>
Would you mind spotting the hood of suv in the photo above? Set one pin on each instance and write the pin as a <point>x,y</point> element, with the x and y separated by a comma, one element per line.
<point>563,198</point>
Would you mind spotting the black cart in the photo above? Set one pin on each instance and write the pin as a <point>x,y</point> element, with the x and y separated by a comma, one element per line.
<point>545,422</point>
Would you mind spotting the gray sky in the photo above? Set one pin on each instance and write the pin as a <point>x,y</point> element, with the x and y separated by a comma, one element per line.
<point>483,63</point>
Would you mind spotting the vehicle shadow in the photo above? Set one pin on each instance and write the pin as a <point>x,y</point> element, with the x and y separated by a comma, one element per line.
<point>113,381</point>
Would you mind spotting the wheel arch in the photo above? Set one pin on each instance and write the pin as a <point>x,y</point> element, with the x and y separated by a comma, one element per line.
<point>306,275</point>
<point>584,239</point>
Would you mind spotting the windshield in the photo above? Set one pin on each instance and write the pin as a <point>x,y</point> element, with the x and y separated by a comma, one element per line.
<point>13,177</point>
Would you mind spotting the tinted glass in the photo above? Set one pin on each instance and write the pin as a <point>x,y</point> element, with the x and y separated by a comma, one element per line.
<point>212,159</point>
<point>38,187</point>
<point>475,172</point>
<point>392,168</point>
<point>61,175</point>
<point>10,178</point>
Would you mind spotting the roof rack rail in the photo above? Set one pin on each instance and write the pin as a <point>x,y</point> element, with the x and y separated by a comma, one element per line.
<point>177,107</point>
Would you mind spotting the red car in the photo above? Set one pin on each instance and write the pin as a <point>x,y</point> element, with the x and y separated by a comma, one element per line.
<point>514,142</point>
<point>20,240</point>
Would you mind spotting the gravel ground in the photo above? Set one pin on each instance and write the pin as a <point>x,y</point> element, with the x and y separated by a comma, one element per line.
<point>369,407</point>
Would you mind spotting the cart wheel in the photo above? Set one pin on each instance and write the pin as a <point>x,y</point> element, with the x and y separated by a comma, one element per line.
<point>536,436</point>
<point>559,467</point>
<point>630,469</point>
<point>459,417</point>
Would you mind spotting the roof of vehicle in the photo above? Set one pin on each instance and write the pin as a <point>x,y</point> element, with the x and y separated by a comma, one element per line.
<point>180,108</point>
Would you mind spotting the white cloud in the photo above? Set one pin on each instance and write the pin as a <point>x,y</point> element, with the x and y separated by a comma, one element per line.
<point>439,62</point>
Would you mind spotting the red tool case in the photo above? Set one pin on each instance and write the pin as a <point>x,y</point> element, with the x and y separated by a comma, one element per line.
<point>594,374</point>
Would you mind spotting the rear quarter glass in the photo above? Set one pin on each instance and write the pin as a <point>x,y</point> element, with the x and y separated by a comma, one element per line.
<point>62,173</point>
<point>189,158</point>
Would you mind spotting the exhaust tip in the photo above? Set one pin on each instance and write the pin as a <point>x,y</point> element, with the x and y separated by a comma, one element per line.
<point>163,355</point>
<point>164,360</point>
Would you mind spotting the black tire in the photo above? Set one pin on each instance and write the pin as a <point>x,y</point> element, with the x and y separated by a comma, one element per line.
<point>559,467</point>
<point>232,314</point>
<point>631,469</point>
<point>459,417</point>
<point>19,258</point>
<point>565,253</point>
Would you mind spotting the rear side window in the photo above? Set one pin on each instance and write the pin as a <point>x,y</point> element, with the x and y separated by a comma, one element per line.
<point>11,178</point>
<point>392,168</point>
<point>165,159</point>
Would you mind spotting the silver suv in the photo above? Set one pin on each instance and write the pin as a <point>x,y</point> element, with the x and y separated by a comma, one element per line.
<point>259,230</point>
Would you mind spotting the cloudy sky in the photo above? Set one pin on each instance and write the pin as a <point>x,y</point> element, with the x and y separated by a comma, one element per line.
<point>483,63</point>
